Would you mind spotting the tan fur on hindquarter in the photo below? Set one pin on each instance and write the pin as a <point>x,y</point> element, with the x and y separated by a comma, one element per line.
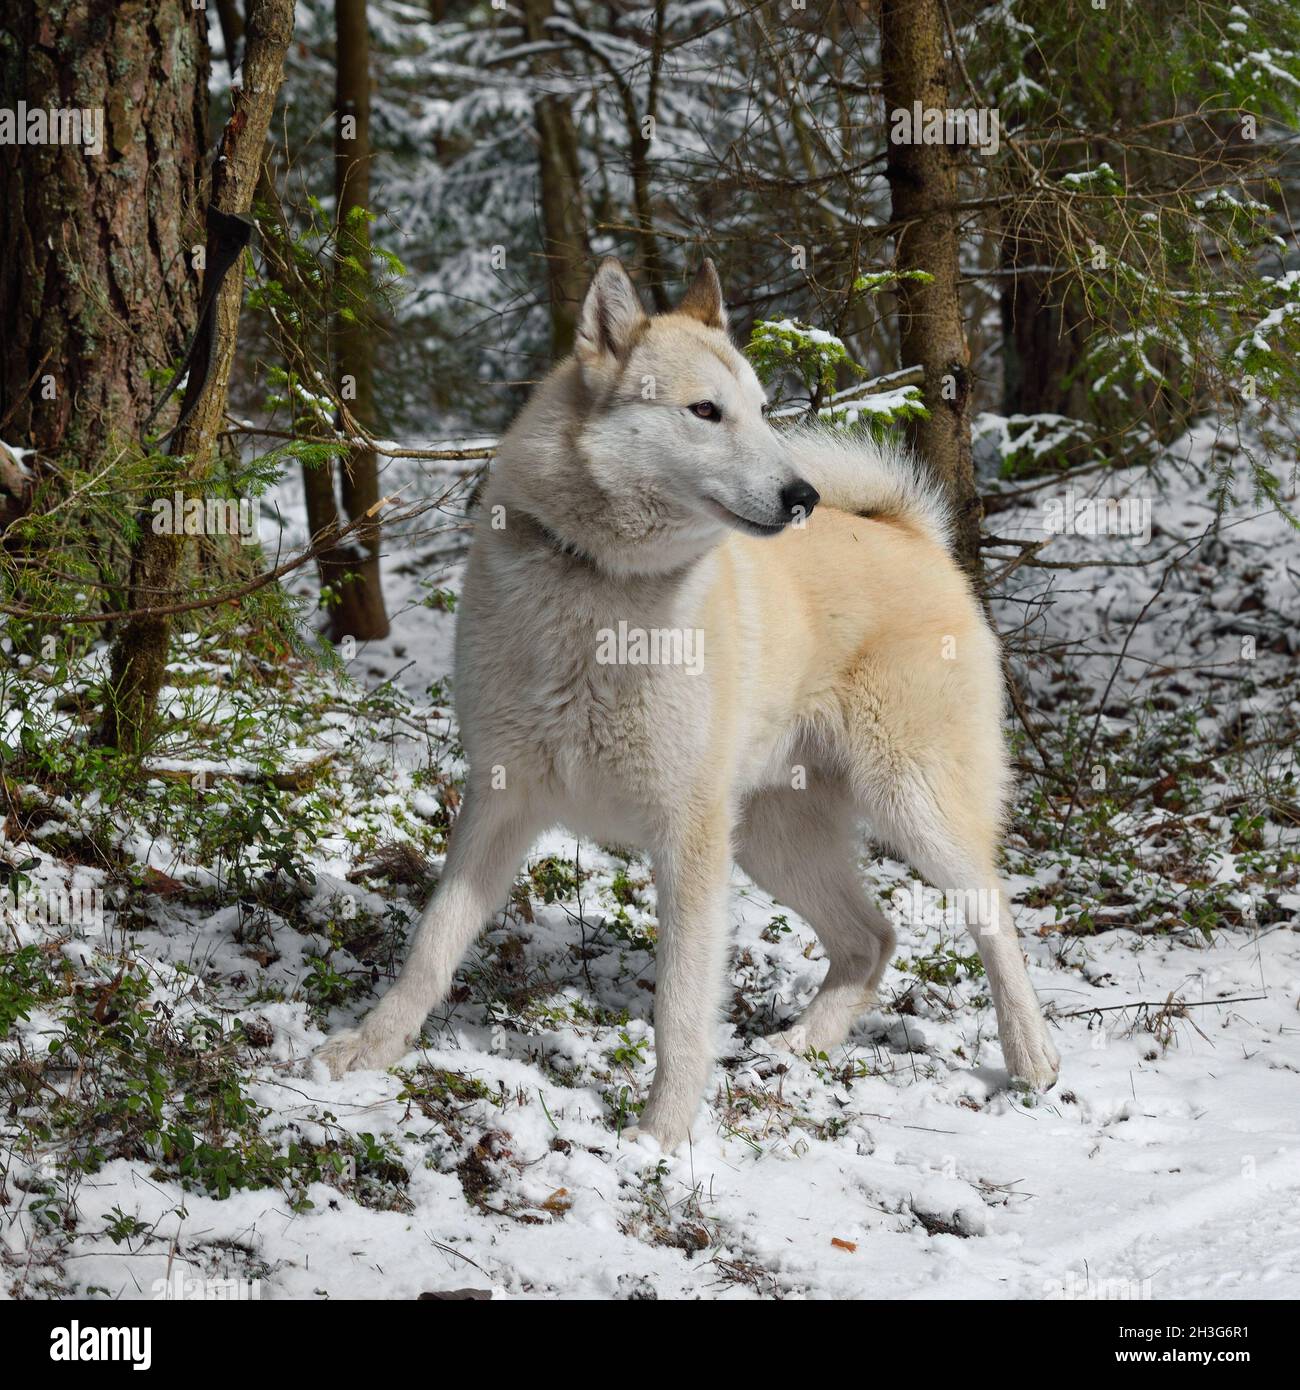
<point>847,646</point>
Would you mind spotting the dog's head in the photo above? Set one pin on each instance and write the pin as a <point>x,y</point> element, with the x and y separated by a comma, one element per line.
<point>675,416</point>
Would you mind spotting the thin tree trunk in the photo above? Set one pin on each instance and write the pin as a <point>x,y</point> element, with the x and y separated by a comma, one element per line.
<point>923,191</point>
<point>651,260</point>
<point>139,656</point>
<point>639,124</point>
<point>1041,347</point>
<point>1046,330</point>
<point>358,607</point>
<point>95,289</point>
<point>564,218</point>
<point>232,32</point>
<point>333,563</point>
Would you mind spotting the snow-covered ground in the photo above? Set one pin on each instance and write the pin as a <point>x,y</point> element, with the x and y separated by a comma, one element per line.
<point>1159,1167</point>
<point>1165,1164</point>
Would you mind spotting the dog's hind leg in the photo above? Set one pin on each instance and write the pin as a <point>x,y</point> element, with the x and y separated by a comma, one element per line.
<point>942,817</point>
<point>965,872</point>
<point>927,764</point>
<point>801,847</point>
<point>490,838</point>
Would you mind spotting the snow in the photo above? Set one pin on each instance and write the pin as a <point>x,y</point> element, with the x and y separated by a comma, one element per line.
<point>1172,1169</point>
<point>819,336</point>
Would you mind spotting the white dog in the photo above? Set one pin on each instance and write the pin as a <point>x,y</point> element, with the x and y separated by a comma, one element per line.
<point>662,644</point>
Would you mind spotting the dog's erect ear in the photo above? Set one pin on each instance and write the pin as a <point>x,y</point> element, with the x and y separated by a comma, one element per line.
<point>703,300</point>
<point>612,317</point>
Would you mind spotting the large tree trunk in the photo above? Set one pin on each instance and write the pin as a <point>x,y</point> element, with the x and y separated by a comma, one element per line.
<point>564,218</point>
<point>923,191</point>
<point>95,288</point>
<point>358,607</point>
<point>139,655</point>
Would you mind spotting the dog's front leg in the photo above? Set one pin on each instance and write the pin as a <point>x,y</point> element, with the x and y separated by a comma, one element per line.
<point>490,838</point>
<point>692,869</point>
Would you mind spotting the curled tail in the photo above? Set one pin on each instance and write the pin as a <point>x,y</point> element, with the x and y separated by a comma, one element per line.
<point>870,478</point>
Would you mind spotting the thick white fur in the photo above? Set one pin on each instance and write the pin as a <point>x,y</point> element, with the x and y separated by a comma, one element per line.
<point>849,676</point>
<point>879,478</point>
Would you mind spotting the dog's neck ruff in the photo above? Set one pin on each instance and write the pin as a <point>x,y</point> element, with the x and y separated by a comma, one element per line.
<point>542,533</point>
<point>529,529</point>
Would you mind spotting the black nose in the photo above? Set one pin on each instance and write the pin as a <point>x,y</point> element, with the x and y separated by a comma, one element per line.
<point>799,498</point>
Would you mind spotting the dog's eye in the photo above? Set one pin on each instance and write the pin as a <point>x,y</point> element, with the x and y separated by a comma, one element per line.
<point>706,410</point>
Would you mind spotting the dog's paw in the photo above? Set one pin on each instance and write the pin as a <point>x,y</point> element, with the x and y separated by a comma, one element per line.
<point>666,1135</point>
<point>1033,1060</point>
<point>793,1039</point>
<point>361,1049</point>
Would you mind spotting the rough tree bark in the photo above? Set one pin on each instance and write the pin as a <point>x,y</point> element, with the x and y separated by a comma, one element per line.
<point>95,289</point>
<point>923,193</point>
<point>353,576</point>
<point>564,218</point>
<point>139,656</point>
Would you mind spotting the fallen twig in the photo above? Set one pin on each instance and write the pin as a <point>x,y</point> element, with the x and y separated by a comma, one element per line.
<point>1161,1004</point>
